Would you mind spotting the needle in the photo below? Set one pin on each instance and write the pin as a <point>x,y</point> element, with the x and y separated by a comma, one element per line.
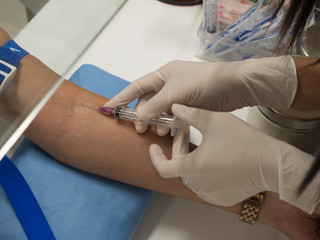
<point>84,105</point>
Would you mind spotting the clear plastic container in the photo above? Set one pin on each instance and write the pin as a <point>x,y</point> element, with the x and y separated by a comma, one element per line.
<point>242,29</point>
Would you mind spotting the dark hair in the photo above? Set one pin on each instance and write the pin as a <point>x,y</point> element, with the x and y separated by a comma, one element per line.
<point>298,12</point>
<point>314,169</point>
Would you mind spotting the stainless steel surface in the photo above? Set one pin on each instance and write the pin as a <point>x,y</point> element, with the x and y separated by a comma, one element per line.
<point>309,45</point>
<point>286,121</point>
<point>303,134</point>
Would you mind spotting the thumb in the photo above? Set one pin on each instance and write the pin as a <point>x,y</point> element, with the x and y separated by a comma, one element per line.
<point>148,83</point>
<point>166,168</point>
<point>127,95</point>
<point>180,143</point>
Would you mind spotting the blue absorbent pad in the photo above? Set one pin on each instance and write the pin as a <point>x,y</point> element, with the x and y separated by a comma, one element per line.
<point>77,205</point>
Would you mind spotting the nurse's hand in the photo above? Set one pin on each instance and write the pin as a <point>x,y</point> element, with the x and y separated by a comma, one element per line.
<point>218,86</point>
<point>235,161</point>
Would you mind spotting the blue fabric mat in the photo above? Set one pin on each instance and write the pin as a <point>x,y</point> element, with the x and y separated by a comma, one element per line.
<point>77,205</point>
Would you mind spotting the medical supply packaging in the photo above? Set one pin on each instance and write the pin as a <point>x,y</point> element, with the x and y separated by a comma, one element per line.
<point>240,29</point>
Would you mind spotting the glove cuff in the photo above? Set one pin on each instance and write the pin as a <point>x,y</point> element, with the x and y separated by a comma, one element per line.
<point>293,168</point>
<point>272,82</point>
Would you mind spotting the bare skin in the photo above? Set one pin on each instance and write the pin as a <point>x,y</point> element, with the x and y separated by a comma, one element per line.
<point>307,97</point>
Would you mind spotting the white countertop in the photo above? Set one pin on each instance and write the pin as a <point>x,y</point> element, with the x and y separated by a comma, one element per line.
<point>143,36</point>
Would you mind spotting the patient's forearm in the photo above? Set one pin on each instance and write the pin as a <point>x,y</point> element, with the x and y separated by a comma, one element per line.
<point>86,139</point>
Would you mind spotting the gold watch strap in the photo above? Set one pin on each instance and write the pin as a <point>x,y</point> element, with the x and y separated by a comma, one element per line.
<point>251,208</point>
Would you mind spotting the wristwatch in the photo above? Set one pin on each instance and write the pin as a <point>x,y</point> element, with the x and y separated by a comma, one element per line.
<point>10,55</point>
<point>251,208</point>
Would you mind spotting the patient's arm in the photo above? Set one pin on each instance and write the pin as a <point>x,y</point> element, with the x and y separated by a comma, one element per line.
<point>86,139</point>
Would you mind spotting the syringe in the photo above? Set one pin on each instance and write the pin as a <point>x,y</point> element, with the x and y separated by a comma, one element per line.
<point>129,114</point>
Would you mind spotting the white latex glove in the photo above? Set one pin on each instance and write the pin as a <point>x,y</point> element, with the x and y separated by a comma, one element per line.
<point>235,161</point>
<point>218,86</point>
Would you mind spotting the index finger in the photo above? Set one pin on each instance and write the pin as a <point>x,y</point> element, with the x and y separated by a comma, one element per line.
<point>151,82</point>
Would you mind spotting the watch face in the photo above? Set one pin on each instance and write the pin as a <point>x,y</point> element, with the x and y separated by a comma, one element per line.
<point>182,2</point>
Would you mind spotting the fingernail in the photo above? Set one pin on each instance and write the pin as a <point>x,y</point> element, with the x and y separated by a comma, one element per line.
<point>142,114</point>
<point>141,128</point>
<point>154,148</point>
<point>178,109</point>
<point>162,131</point>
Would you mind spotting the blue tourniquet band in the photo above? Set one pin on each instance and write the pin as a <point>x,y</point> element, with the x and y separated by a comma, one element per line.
<point>14,47</point>
<point>23,201</point>
<point>17,189</point>
<point>10,55</point>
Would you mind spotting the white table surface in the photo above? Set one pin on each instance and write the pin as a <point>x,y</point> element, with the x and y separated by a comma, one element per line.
<point>143,36</point>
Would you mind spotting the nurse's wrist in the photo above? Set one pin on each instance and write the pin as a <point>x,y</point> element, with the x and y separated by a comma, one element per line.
<point>277,213</point>
<point>268,212</point>
<point>307,96</point>
<point>317,209</point>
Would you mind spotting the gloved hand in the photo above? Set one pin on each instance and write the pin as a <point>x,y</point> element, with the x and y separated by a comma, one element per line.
<point>218,86</point>
<point>235,161</point>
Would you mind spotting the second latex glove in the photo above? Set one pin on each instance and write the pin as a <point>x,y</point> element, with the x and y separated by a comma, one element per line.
<point>235,161</point>
<point>218,86</point>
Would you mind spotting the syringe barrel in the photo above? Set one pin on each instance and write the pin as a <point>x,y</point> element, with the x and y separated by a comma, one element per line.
<point>164,120</point>
<point>126,113</point>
